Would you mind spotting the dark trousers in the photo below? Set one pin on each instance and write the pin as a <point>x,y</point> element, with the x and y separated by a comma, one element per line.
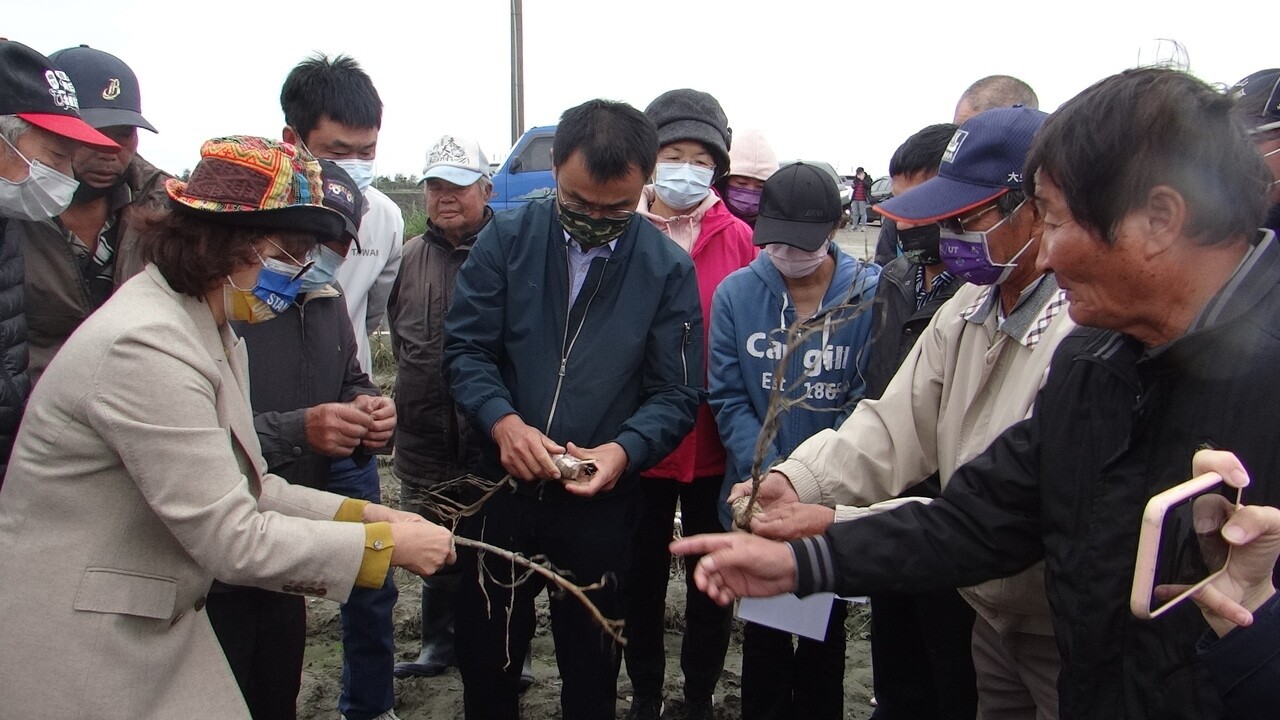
<point>781,681</point>
<point>263,634</point>
<point>586,540</point>
<point>707,625</point>
<point>368,643</point>
<point>921,660</point>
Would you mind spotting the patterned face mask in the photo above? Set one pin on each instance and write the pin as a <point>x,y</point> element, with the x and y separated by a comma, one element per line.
<point>590,232</point>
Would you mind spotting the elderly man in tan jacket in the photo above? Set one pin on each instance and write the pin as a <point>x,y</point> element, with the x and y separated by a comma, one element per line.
<point>975,371</point>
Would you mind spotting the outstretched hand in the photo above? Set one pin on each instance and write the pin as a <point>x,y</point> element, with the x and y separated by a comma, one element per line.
<point>738,565</point>
<point>792,521</point>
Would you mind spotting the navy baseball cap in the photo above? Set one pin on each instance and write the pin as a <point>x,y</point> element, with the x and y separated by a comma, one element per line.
<point>38,91</point>
<point>983,161</point>
<point>342,194</point>
<point>1261,92</point>
<point>800,206</point>
<point>109,93</point>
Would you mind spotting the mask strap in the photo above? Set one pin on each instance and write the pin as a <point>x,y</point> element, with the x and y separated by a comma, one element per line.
<point>15,150</point>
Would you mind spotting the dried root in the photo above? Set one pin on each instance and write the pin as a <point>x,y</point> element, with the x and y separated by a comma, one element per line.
<point>574,470</point>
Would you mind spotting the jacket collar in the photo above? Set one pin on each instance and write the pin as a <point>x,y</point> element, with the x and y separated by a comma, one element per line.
<point>433,235</point>
<point>232,360</point>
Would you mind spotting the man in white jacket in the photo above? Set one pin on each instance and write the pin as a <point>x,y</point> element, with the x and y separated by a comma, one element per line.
<point>332,109</point>
<point>974,372</point>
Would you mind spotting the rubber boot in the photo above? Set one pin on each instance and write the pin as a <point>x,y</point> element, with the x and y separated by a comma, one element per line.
<point>439,598</point>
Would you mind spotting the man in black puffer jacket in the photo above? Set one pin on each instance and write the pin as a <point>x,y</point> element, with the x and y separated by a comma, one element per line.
<point>40,130</point>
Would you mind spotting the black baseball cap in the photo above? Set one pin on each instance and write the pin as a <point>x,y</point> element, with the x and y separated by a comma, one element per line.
<point>800,207</point>
<point>38,91</point>
<point>1261,93</point>
<point>342,194</point>
<point>109,94</point>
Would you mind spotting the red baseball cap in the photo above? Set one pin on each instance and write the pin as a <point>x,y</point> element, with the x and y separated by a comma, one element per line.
<point>34,89</point>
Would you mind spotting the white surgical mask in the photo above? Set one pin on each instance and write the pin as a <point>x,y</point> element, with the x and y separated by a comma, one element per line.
<point>42,194</point>
<point>361,171</point>
<point>794,262</point>
<point>682,185</point>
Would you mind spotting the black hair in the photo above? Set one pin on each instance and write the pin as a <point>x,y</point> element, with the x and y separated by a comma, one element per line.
<point>922,151</point>
<point>613,137</point>
<point>860,169</point>
<point>996,91</point>
<point>337,89</point>
<point>1107,147</point>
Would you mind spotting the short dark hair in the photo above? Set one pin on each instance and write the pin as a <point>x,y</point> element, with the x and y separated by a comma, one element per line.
<point>1108,146</point>
<point>613,137</point>
<point>194,254</point>
<point>996,91</point>
<point>922,151</point>
<point>337,89</point>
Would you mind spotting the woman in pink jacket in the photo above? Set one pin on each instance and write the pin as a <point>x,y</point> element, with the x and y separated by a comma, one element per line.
<point>694,136</point>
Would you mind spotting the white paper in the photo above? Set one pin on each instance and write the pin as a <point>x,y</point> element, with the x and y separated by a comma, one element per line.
<point>807,616</point>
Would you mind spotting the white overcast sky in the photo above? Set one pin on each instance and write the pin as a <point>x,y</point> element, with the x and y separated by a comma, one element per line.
<point>840,80</point>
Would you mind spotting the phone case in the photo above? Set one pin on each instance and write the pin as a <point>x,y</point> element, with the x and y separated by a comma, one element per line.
<point>1144,573</point>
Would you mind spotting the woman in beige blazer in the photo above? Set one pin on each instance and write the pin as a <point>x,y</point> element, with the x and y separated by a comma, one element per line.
<point>137,477</point>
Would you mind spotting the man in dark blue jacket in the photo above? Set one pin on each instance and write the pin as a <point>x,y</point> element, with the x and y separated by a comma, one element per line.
<point>575,328</point>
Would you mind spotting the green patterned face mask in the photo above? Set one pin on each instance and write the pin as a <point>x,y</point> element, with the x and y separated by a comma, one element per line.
<point>590,232</point>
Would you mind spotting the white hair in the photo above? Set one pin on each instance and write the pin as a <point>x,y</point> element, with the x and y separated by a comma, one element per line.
<point>13,127</point>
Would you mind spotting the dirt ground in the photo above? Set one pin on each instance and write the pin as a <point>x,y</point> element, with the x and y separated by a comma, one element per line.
<point>440,698</point>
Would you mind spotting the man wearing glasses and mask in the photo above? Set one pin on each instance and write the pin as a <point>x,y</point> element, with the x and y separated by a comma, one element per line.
<point>575,328</point>
<point>975,371</point>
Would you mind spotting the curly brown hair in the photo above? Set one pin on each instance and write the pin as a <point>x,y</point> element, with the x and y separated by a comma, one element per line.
<point>194,253</point>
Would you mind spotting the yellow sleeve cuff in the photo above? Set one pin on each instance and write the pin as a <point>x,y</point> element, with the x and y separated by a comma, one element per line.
<point>351,510</point>
<point>377,555</point>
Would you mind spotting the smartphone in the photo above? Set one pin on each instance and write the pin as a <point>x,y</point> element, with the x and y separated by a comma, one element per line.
<point>1180,547</point>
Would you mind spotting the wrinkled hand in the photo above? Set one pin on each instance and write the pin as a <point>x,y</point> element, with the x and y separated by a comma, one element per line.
<point>421,547</point>
<point>775,489</point>
<point>738,565</point>
<point>336,429</point>
<point>611,461</point>
<point>382,411</point>
<point>373,512</point>
<point>792,521</point>
<point>525,452</point>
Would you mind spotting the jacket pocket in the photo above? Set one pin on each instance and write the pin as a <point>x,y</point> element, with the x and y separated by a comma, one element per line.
<point>125,592</point>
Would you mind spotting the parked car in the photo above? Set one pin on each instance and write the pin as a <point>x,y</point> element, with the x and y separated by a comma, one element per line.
<point>881,190</point>
<point>526,173</point>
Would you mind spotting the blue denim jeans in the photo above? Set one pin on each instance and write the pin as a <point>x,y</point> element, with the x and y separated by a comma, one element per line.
<point>368,644</point>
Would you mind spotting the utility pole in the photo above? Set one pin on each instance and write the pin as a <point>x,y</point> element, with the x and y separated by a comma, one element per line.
<point>517,71</point>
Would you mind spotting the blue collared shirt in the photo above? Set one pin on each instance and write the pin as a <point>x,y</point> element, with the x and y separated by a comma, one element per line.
<point>580,263</point>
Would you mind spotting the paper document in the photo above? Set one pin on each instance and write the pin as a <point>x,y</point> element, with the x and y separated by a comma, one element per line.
<point>806,616</point>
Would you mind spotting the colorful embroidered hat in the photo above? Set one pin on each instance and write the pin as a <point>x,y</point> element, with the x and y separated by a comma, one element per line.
<point>256,182</point>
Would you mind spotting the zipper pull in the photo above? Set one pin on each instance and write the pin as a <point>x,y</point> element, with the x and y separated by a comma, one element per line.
<point>563,362</point>
<point>687,330</point>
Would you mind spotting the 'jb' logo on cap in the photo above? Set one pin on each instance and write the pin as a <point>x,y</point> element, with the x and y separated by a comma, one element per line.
<point>954,146</point>
<point>112,91</point>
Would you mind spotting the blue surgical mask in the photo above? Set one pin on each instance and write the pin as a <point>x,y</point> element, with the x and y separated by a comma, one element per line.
<point>361,171</point>
<point>325,268</point>
<point>682,185</point>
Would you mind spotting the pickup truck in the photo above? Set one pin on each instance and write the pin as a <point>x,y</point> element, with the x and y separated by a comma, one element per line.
<point>526,174</point>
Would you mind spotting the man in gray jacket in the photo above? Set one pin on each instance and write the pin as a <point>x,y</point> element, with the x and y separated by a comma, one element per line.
<point>431,439</point>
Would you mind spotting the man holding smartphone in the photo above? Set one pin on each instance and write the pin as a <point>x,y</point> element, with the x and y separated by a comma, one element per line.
<point>1150,195</point>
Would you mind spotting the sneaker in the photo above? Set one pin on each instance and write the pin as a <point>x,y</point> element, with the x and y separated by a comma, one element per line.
<point>644,707</point>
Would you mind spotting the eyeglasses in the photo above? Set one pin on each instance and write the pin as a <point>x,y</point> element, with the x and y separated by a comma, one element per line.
<point>591,211</point>
<point>958,224</point>
<point>302,267</point>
